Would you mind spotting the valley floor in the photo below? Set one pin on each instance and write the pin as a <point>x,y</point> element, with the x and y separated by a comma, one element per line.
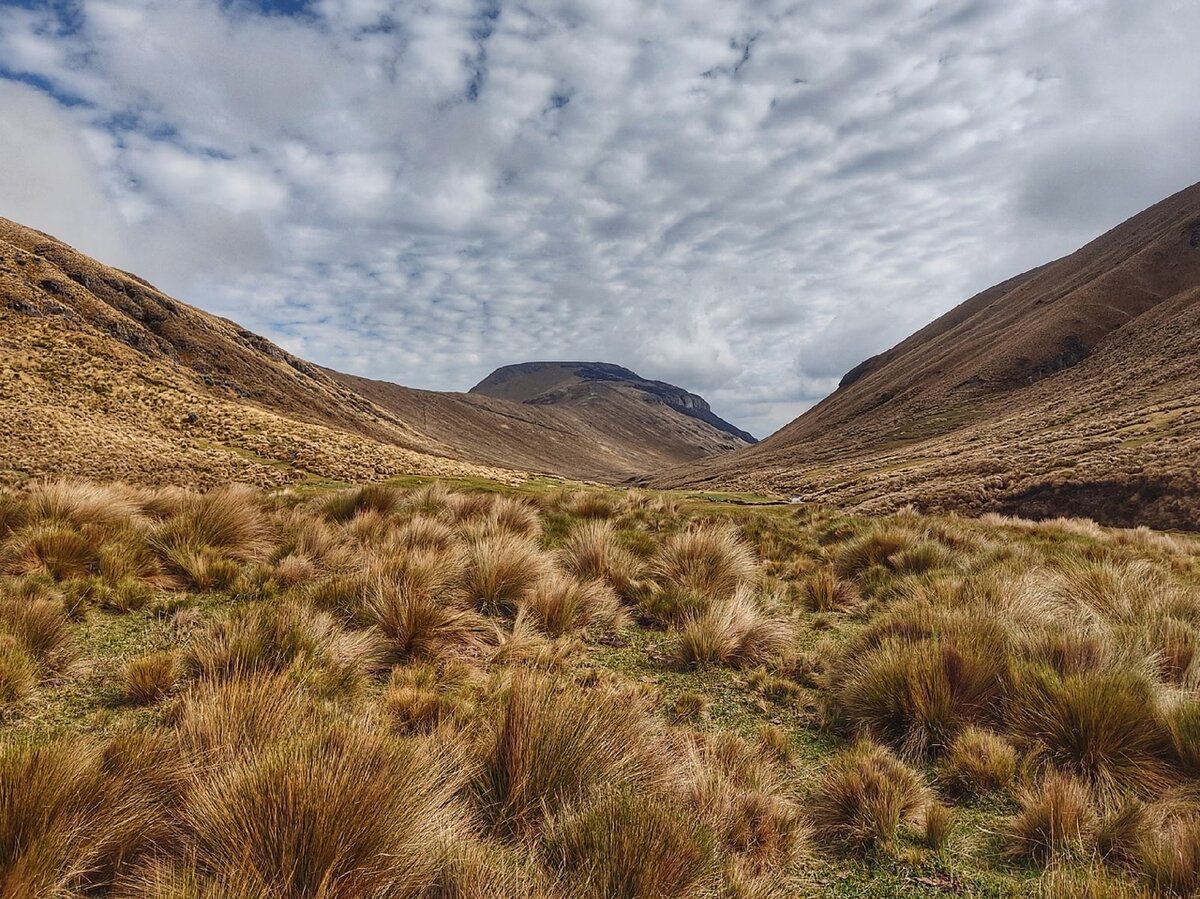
<point>472,690</point>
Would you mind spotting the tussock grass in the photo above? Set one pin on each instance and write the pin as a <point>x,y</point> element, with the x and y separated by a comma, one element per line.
<point>736,632</point>
<point>876,547</point>
<point>516,515</point>
<point>512,751</point>
<point>713,561</point>
<point>41,629</point>
<point>826,592</point>
<point>554,747</point>
<point>225,524</point>
<point>272,640</point>
<point>628,846</point>
<point>592,552</point>
<point>344,813</point>
<point>95,508</point>
<point>1056,818</point>
<point>421,610</point>
<point>217,720</point>
<point>978,761</point>
<point>421,533</point>
<point>1099,726</point>
<point>920,676</point>
<point>743,796</point>
<point>864,795</point>
<point>18,671</point>
<point>54,549</point>
<point>502,569</point>
<point>346,504</point>
<point>1170,859</point>
<point>151,677</point>
<point>561,604</point>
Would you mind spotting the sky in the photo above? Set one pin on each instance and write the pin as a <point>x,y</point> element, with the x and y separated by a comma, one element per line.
<point>742,197</point>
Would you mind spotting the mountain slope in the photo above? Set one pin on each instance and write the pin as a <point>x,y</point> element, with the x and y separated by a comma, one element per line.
<point>102,375</point>
<point>588,384</point>
<point>612,435</point>
<point>1070,389</point>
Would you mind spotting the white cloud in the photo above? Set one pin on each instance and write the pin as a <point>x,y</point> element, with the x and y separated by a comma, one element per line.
<point>746,197</point>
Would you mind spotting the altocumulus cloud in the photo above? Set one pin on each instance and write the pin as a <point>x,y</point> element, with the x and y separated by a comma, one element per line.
<point>746,197</point>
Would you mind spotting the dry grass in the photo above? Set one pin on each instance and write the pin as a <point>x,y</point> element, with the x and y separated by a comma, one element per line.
<point>264,640</point>
<point>149,678</point>
<point>42,629</point>
<point>826,592</point>
<point>1170,860</point>
<point>631,845</point>
<point>502,570</point>
<point>1056,818</point>
<point>18,671</point>
<point>736,632</point>
<point>562,603</point>
<point>592,553</point>
<point>1099,726</point>
<point>919,677</point>
<point>553,747</point>
<point>713,561</point>
<point>863,797</point>
<point>54,549</point>
<point>343,814</point>
<point>469,651</point>
<point>421,610</point>
<point>978,761</point>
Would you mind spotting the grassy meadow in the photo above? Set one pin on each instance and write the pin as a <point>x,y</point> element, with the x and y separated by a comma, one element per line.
<point>482,691</point>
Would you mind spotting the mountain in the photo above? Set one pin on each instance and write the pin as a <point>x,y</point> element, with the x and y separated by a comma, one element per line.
<point>103,376</point>
<point>1073,389</point>
<point>601,429</point>
<point>581,384</point>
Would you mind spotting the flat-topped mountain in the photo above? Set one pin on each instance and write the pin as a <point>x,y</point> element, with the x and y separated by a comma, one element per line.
<point>1071,389</point>
<point>582,383</point>
<point>103,376</point>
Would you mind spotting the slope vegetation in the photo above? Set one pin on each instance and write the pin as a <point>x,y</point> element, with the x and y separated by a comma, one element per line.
<point>102,375</point>
<point>1071,389</point>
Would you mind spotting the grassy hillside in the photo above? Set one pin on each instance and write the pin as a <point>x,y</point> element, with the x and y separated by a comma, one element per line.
<point>408,691</point>
<point>102,375</point>
<point>1071,389</point>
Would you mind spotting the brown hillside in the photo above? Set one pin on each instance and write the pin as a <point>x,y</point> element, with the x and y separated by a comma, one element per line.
<point>102,375</point>
<point>1071,389</point>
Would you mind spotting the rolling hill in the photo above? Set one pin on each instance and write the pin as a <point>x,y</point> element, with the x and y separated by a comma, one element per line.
<point>103,376</point>
<point>1071,389</point>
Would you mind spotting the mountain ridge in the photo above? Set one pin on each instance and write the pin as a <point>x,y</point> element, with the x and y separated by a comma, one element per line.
<point>104,376</point>
<point>1026,398</point>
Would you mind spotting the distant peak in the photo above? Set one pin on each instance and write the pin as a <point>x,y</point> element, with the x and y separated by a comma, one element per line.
<point>553,383</point>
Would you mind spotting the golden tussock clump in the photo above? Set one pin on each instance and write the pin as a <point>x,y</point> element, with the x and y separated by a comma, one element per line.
<point>714,561</point>
<point>977,762</point>
<point>150,677</point>
<point>919,676</point>
<point>264,640</point>
<point>502,569</point>
<point>734,631</point>
<point>1099,726</point>
<point>424,613</point>
<point>338,813</point>
<point>631,844</point>
<point>41,628</point>
<point>1057,817</point>
<point>592,552</point>
<point>863,797</point>
<point>561,603</point>
<point>553,747</point>
<point>826,592</point>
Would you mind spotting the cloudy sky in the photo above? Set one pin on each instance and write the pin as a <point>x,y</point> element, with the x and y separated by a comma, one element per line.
<point>744,197</point>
